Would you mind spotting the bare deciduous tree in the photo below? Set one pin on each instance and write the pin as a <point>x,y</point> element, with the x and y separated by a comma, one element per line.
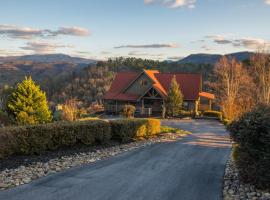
<point>232,85</point>
<point>260,63</point>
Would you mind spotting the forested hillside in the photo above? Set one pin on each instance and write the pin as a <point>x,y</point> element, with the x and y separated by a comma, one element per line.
<point>63,80</point>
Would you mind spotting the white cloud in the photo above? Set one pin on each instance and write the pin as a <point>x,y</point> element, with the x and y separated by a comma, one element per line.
<point>138,53</point>
<point>173,3</point>
<point>220,39</point>
<point>146,46</point>
<point>267,2</point>
<point>75,31</point>
<point>251,43</point>
<point>175,58</point>
<point>43,47</point>
<point>17,32</point>
<point>246,42</point>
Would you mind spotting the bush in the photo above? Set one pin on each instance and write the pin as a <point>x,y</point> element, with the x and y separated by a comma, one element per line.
<point>212,113</point>
<point>168,129</point>
<point>36,139</point>
<point>252,134</point>
<point>152,127</point>
<point>128,111</point>
<point>185,113</point>
<point>226,122</point>
<point>128,129</point>
<point>4,119</point>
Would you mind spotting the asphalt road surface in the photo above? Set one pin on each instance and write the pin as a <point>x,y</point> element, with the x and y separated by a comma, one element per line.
<point>190,169</point>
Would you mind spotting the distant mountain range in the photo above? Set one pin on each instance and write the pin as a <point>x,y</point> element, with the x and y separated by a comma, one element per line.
<point>41,67</point>
<point>213,58</point>
<point>48,58</point>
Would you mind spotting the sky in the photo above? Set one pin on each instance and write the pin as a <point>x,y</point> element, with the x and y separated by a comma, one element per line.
<point>153,29</point>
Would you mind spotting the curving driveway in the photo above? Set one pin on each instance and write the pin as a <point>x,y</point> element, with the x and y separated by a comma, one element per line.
<point>190,169</point>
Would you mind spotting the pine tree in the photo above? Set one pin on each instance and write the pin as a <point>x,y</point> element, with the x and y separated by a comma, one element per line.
<point>174,100</point>
<point>28,104</point>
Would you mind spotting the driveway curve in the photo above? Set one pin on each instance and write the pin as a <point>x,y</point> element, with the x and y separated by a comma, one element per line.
<point>189,169</point>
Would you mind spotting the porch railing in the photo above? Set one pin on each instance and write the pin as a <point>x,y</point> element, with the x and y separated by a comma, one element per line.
<point>118,108</point>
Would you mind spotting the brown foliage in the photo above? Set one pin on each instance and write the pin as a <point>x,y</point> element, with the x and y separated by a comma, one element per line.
<point>70,110</point>
<point>128,111</point>
<point>233,87</point>
<point>260,64</point>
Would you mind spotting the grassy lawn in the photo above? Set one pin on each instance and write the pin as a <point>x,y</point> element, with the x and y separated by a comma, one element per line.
<point>167,129</point>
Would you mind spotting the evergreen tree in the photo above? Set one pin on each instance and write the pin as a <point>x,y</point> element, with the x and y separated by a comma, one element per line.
<point>174,100</point>
<point>28,104</point>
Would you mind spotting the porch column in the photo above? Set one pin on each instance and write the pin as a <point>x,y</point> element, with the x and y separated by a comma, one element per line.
<point>196,107</point>
<point>116,106</point>
<point>163,107</point>
<point>210,104</point>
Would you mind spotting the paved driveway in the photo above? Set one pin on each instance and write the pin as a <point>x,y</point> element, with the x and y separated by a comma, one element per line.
<point>188,169</point>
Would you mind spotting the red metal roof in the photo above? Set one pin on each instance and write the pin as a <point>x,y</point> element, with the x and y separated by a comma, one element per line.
<point>122,80</point>
<point>207,95</point>
<point>190,84</point>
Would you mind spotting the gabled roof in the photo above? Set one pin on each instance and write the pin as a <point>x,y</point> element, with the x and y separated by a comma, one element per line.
<point>122,80</point>
<point>190,84</point>
<point>156,85</point>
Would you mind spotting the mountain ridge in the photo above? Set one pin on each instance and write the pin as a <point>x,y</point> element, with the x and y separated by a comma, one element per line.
<point>203,58</point>
<point>48,58</point>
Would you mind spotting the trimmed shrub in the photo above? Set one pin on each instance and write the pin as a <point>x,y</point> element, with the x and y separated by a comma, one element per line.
<point>212,113</point>
<point>226,122</point>
<point>251,132</point>
<point>4,119</point>
<point>36,139</point>
<point>152,127</point>
<point>185,113</point>
<point>128,129</point>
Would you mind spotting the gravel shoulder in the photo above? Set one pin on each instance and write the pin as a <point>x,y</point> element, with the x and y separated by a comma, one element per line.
<point>188,168</point>
<point>19,169</point>
<point>234,189</point>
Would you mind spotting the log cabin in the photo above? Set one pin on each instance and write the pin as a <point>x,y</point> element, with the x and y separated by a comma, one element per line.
<point>148,90</point>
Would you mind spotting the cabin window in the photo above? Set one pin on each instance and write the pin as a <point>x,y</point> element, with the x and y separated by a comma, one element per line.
<point>144,82</point>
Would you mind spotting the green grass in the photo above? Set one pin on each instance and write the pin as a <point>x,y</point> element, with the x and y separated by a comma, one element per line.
<point>167,129</point>
<point>88,118</point>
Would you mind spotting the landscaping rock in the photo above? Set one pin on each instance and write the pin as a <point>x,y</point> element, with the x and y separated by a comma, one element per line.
<point>34,167</point>
<point>234,189</point>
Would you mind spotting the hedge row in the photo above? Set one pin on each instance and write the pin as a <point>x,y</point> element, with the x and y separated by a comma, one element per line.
<point>252,150</point>
<point>38,138</point>
<point>128,129</point>
<point>212,113</point>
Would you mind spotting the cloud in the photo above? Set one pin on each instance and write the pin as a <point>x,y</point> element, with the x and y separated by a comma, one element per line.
<point>16,32</point>
<point>75,31</point>
<point>173,3</point>
<point>10,53</point>
<point>154,46</point>
<point>43,47</point>
<point>246,42</point>
<point>137,53</point>
<point>207,48</point>
<point>251,43</point>
<point>12,31</point>
<point>267,2</point>
<point>105,52</point>
<point>175,58</point>
<point>219,39</point>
